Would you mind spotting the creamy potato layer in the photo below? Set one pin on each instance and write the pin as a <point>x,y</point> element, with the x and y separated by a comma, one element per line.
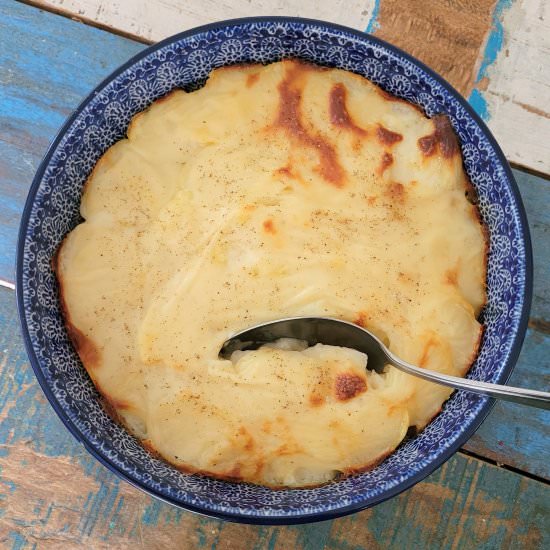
<point>274,191</point>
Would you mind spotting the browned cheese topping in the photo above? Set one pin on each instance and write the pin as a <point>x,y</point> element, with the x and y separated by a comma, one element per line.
<point>274,191</point>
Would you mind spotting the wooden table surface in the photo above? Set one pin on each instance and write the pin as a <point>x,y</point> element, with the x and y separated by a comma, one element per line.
<point>492,494</point>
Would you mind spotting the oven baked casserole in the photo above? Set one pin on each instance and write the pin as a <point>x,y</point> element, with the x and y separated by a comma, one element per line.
<point>274,191</point>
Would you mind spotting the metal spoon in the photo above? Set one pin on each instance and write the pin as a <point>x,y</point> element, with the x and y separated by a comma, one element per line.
<point>335,332</point>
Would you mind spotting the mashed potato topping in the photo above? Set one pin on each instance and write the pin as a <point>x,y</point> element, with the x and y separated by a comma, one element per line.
<point>274,191</point>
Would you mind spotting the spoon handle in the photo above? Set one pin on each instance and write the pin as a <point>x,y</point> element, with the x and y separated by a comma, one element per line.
<point>533,398</point>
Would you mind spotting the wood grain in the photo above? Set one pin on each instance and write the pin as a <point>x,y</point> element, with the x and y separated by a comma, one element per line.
<point>54,495</point>
<point>512,89</point>
<point>153,21</point>
<point>447,36</point>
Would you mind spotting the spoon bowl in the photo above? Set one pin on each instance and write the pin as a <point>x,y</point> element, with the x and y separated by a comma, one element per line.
<point>336,332</point>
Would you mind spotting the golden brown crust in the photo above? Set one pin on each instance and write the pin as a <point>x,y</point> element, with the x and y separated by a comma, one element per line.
<point>386,162</point>
<point>426,352</point>
<point>339,115</point>
<point>451,276</point>
<point>387,137</point>
<point>354,470</point>
<point>349,385</point>
<point>269,226</point>
<point>443,140</point>
<point>87,351</point>
<point>289,119</point>
<point>396,191</point>
<point>361,319</point>
<point>251,79</point>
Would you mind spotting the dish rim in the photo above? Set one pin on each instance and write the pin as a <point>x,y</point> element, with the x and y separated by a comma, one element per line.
<point>281,519</point>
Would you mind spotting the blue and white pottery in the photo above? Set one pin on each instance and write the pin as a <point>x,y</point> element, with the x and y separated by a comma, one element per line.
<point>185,60</point>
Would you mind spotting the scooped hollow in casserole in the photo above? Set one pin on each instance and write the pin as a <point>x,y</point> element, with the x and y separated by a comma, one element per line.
<point>274,191</point>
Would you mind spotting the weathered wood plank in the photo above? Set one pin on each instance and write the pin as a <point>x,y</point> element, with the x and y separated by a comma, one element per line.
<point>511,435</point>
<point>54,495</point>
<point>453,34</point>
<point>49,64</point>
<point>512,89</point>
<point>153,21</point>
<point>535,193</point>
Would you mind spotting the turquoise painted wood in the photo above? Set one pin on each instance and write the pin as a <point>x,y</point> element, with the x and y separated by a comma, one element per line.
<point>54,495</point>
<point>515,435</point>
<point>511,434</point>
<point>536,197</point>
<point>50,64</point>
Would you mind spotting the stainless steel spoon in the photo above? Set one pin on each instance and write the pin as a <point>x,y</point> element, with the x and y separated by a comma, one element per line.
<point>334,332</point>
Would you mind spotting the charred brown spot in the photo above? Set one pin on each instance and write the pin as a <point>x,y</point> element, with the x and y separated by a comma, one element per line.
<point>426,352</point>
<point>290,172</point>
<point>348,385</point>
<point>339,115</point>
<point>237,67</point>
<point>269,226</point>
<point>427,145</point>
<point>288,448</point>
<point>251,79</point>
<point>86,349</point>
<point>470,193</point>
<point>443,139</point>
<point>451,276</point>
<point>387,137</point>
<point>361,319</point>
<point>316,400</point>
<point>283,450</point>
<point>386,162</point>
<point>289,119</point>
<point>285,171</point>
<point>249,440</point>
<point>396,191</point>
<point>233,474</point>
<point>446,136</point>
<point>259,467</point>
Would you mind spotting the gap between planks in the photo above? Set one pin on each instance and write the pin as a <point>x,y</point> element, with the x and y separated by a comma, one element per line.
<point>530,171</point>
<point>504,466</point>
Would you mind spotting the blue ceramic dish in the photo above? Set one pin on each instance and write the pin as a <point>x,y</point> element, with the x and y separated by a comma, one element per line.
<point>185,60</point>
